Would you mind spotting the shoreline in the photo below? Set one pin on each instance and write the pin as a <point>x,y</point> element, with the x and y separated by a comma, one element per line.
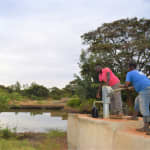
<point>43,104</point>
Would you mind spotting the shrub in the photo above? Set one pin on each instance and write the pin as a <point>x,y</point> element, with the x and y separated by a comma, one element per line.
<point>56,93</point>
<point>86,105</point>
<point>4,99</point>
<point>74,102</point>
<point>15,96</point>
<point>56,97</point>
<point>36,91</point>
<point>6,133</point>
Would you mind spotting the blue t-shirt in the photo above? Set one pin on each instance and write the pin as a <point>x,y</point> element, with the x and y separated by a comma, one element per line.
<point>138,80</point>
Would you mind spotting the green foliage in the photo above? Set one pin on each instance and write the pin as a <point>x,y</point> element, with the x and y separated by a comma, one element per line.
<point>113,45</point>
<point>69,89</point>
<point>56,93</point>
<point>86,105</point>
<point>74,102</point>
<point>36,91</point>
<point>13,144</point>
<point>33,97</point>
<point>4,99</point>
<point>54,140</point>
<point>15,96</point>
<point>15,87</point>
<point>82,87</point>
<point>6,133</point>
<point>56,133</point>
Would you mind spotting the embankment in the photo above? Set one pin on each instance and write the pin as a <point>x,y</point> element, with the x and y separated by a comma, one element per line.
<point>86,133</point>
<point>35,104</point>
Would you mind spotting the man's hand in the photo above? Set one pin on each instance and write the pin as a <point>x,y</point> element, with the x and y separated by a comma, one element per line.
<point>130,88</point>
<point>122,86</point>
<point>126,85</point>
<point>98,91</point>
<point>98,95</point>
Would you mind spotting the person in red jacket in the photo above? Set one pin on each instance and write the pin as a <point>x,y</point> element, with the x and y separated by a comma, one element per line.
<point>106,75</point>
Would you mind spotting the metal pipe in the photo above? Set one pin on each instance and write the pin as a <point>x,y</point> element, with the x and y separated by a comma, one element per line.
<point>106,91</point>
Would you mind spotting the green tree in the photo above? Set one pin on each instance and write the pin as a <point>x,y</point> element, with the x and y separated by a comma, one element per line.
<point>55,93</point>
<point>36,91</point>
<point>115,44</point>
<point>15,87</point>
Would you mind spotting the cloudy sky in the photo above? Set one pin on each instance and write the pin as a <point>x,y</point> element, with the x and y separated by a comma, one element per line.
<point>40,39</point>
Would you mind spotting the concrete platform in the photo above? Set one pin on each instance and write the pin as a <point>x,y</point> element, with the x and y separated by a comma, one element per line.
<point>87,133</point>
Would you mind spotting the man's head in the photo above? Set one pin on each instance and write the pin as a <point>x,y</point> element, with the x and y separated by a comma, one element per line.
<point>132,65</point>
<point>98,69</point>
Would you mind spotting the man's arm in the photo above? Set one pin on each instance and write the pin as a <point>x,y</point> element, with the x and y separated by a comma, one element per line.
<point>126,85</point>
<point>108,78</point>
<point>99,91</point>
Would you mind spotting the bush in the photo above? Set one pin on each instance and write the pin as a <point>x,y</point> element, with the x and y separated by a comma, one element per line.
<point>56,97</point>
<point>74,102</point>
<point>36,91</point>
<point>86,105</point>
<point>4,99</point>
<point>6,133</point>
<point>15,96</point>
<point>56,93</point>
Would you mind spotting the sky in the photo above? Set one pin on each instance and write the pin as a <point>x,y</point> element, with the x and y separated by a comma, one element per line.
<point>40,39</point>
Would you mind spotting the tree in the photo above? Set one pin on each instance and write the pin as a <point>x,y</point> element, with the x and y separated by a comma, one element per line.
<point>55,93</point>
<point>83,87</point>
<point>114,45</point>
<point>15,87</point>
<point>36,91</point>
<point>69,89</point>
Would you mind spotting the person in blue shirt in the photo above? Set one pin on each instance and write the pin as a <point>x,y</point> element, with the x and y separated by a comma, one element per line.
<point>141,83</point>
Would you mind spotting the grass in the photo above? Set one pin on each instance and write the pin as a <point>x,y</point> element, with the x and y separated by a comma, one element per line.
<point>13,144</point>
<point>53,140</point>
<point>56,133</point>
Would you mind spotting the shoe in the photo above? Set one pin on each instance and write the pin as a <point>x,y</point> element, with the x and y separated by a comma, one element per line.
<point>143,130</point>
<point>147,133</point>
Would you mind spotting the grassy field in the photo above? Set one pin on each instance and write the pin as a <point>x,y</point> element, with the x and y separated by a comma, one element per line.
<point>53,140</point>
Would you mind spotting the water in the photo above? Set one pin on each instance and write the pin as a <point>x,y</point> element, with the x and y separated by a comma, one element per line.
<point>32,121</point>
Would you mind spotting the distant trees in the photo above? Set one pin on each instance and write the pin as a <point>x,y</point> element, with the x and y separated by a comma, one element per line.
<point>15,87</point>
<point>36,91</point>
<point>55,93</point>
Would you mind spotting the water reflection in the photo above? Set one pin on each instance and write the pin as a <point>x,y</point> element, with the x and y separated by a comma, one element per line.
<point>32,121</point>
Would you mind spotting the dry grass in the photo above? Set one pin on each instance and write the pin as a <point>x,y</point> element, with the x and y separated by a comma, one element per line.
<point>54,140</point>
<point>43,103</point>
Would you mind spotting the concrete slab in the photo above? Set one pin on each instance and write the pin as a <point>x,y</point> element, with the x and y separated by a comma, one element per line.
<point>87,133</point>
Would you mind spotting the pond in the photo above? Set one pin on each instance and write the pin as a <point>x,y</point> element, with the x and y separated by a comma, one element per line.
<point>33,121</point>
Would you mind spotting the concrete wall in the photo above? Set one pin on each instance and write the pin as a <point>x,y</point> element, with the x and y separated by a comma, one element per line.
<point>86,133</point>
